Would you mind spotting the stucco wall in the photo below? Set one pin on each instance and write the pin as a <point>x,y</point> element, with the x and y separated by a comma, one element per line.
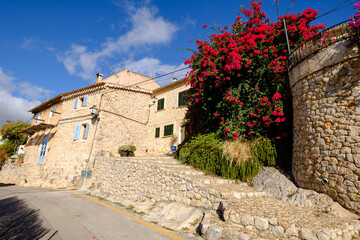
<point>326,100</point>
<point>171,114</point>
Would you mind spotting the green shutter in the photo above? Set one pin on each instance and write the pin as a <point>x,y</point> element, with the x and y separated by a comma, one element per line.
<point>161,104</point>
<point>168,130</point>
<point>182,98</point>
<point>157,132</point>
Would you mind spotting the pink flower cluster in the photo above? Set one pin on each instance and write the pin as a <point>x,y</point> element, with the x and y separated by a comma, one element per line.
<point>355,20</point>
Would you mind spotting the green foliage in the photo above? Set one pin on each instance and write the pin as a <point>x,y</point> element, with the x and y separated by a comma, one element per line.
<point>12,136</point>
<point>264,151</point>
<point>127,148</point>
<point>204,152</point>
<point>12,131</point>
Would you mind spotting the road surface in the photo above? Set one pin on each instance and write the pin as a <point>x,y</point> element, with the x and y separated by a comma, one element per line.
<point>38,213</point>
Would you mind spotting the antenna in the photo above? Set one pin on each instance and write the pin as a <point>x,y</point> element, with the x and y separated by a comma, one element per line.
<point>110,70</point>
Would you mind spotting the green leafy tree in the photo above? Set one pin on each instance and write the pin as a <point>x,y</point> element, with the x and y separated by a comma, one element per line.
<point>12,137</point>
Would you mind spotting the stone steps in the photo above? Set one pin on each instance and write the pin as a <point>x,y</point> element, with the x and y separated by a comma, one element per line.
<point>273,219</point>
<point>251,211</point>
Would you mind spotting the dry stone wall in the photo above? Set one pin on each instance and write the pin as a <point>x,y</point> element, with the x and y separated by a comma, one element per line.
<point>135,181</point>
<point>326,102</point>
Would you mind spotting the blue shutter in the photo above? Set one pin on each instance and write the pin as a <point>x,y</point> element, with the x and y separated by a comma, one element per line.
<point>76,101</point>
<point>77,131</point>
<point>53,111</point>
<point>85,100</point>
<point>86,130</point>
<point>37,117</point>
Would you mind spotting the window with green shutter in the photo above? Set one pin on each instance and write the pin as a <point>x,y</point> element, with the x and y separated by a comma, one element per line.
<point>161,104</point>
<point>157,132</point>
<point>168,130</point>
<point>182,98</point>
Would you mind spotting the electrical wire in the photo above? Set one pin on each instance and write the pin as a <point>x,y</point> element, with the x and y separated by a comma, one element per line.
<point>165,74</point>
<point>335,9</point>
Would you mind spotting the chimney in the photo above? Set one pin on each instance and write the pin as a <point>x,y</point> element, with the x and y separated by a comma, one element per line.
<point>99,77</point>
<point>174,79</point>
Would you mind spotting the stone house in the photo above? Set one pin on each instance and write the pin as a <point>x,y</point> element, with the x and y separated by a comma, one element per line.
<point>65,136</point>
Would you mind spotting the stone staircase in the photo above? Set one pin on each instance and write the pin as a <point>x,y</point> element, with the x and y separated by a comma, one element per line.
<point>245,213</point>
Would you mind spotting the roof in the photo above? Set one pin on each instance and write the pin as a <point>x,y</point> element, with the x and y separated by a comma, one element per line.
<point>170,85</point>
<point>37,127</point>
<point>85,90</point>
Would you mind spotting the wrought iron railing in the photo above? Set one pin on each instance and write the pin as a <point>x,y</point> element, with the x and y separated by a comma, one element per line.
<point>329,36</point>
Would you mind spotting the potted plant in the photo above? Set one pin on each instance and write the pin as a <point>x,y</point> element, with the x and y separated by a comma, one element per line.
<point>127,150</point>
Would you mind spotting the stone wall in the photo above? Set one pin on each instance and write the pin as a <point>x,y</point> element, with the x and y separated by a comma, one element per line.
<point>326,100</point>
<point>125,178</point>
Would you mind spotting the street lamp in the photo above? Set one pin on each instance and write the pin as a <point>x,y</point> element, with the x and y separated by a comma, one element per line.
<point>153,99</point>
<point>94,111</point>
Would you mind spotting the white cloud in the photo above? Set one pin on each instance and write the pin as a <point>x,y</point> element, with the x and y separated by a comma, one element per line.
<point>29,43</point>
<point>16,108</point>
<point>147,30</point>
<point>154,67</point>
<point>33,92</point>
<point>6,80</point>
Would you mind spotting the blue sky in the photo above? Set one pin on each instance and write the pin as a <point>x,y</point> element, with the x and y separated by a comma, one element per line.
<point>52,46</point>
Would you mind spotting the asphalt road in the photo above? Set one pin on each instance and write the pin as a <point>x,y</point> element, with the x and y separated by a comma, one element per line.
<point>38,213</point>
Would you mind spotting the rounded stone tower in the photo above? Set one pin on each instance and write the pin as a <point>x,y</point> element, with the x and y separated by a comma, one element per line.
<point>326,101</point>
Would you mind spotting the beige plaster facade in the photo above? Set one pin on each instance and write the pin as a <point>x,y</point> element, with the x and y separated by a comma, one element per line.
<point>172,114</point>
<point>65,137</point>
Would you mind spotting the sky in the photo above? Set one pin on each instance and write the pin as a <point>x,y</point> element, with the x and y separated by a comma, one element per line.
<point>48,47</point>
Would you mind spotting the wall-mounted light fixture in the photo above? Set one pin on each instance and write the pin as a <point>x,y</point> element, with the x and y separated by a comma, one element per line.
<point>94,111</point>
<point>153,99</point>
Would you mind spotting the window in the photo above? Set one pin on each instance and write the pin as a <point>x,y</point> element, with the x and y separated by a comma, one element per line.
<point>77,131</point>
<point>37,117</point>
<point>168,130</point>
<point>157,132</point>
<point>53,111</point>
<point>86,129</point>
<point>76,102</point>
<point>83,101</point>
<point>81,128</point>
<point>182,98</point>
<point>161,104</point>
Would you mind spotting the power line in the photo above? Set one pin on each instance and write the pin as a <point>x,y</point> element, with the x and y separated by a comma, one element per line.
<point>335,9</point>
<point>110,70</point>
<point>331,5</point>
<point>158,76</point>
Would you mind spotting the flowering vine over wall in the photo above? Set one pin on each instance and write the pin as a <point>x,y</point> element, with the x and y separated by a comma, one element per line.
<point>238,79</point>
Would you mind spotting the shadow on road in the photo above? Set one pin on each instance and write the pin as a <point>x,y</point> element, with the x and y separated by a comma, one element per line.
<point>18,221</point>
<point>6,185</point>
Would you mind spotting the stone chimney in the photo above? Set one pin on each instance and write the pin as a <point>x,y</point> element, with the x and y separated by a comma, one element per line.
<point>99,77</point>
<point>174,79</point>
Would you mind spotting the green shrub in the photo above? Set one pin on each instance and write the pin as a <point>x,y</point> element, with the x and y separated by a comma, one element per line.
<point>127,148</point>
<point>264,151</point>
<point>205,152</point>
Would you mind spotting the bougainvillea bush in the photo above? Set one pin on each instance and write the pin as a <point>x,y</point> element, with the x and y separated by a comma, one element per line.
<point>239,80</point>
<point>355,20</point>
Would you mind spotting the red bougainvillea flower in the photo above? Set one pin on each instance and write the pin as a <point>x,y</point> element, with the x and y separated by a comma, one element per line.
<point>240,73</point>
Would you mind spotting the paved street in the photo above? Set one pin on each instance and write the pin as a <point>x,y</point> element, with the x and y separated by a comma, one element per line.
<point>36,213</point>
